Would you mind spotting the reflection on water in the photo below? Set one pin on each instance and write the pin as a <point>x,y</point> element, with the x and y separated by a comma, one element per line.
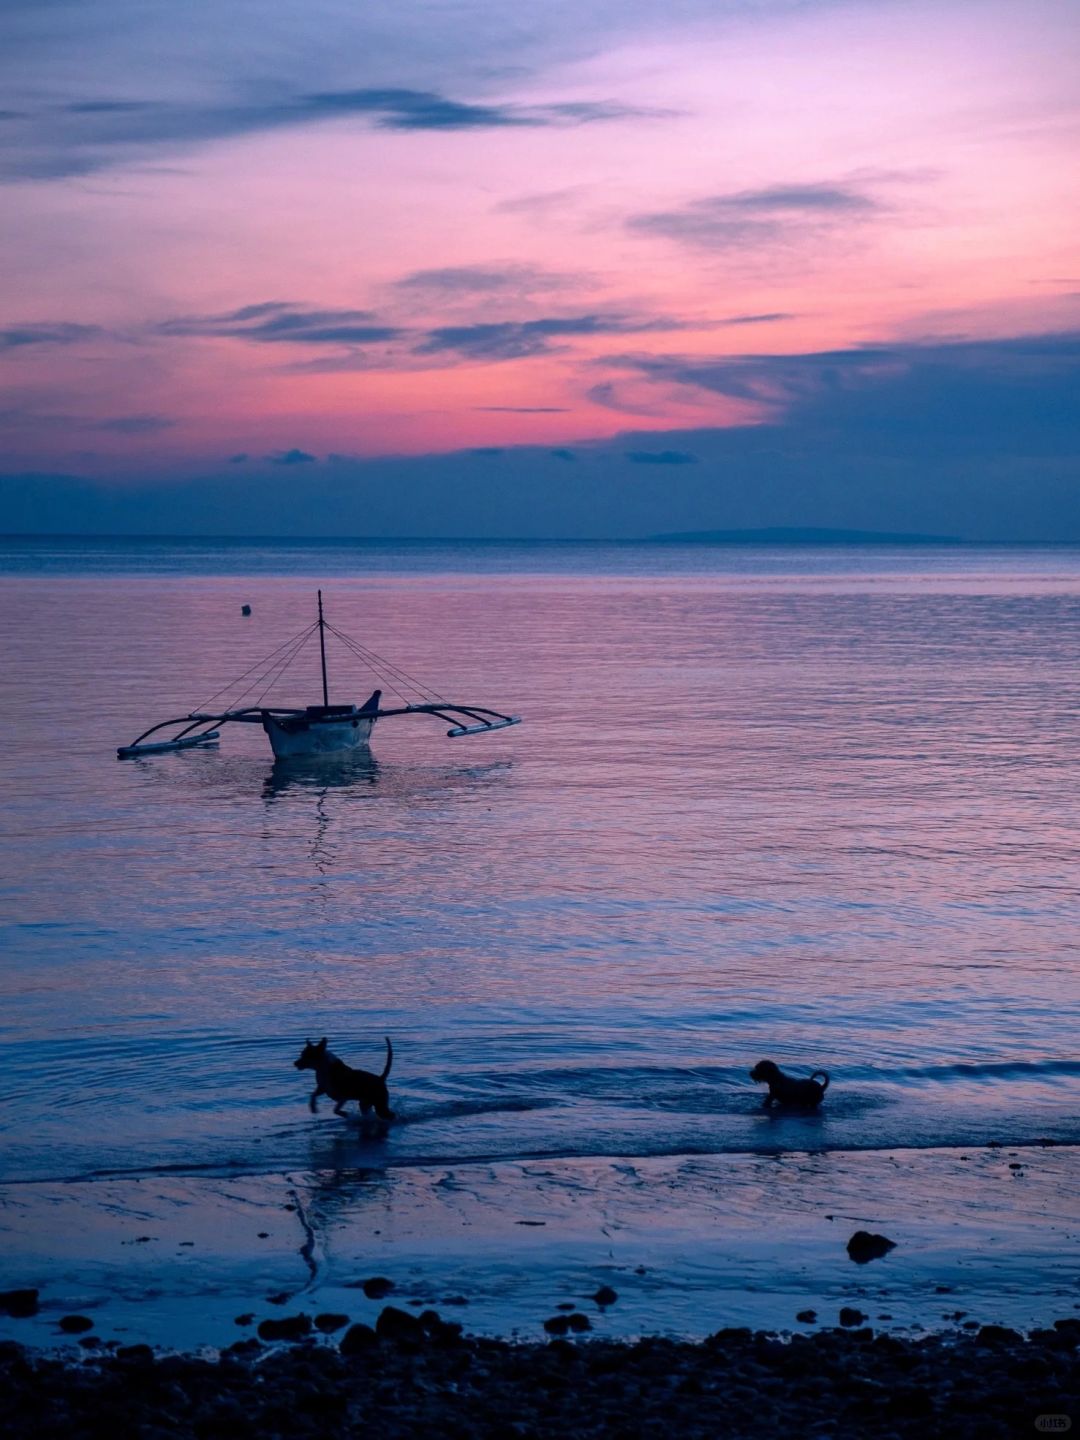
<point>826,816</point>
<point>321,774</point>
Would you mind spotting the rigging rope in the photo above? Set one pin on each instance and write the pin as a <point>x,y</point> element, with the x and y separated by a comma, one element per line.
<point>374,661</point>
<point>270,669</point>
<point>283,665</point>
<point>383,679</point>
<point>258,665</point>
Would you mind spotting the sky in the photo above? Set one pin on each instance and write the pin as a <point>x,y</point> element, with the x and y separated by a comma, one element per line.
<point>553,269</point>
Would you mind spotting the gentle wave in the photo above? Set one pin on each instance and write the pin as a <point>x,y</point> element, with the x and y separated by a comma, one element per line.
<point>370,1160</point>
<point>205,1070</point>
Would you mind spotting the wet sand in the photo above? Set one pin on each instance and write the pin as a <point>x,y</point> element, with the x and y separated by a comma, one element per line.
<point>690,1244</point>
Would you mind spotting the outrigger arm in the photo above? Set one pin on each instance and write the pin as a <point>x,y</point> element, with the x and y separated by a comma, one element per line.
<point>458,716</point>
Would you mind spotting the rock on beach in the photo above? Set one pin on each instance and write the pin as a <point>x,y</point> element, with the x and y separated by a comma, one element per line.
<point>865,1246</point>
<point>19,1304</point>
<point>840,1383</point>
<point>289,1327</point>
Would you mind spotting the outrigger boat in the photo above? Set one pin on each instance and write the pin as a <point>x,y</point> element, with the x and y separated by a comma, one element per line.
<point>315,730</point>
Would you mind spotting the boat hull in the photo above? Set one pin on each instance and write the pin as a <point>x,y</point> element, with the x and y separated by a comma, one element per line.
<point>337,736</point>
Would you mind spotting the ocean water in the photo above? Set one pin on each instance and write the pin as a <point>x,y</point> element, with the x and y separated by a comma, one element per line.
<point>817,806</point>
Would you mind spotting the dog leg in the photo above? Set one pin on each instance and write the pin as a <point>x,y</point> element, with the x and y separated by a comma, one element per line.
<point>313,1102</point>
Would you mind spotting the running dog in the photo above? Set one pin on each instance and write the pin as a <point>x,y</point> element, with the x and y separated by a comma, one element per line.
<point>342,1083</point>
<point>787,1089</point>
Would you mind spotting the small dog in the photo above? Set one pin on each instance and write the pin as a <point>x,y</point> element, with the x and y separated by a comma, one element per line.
<point>342,1083</point>
<point>786,1089</point>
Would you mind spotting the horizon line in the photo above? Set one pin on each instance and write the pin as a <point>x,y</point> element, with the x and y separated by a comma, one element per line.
<point>786,537</point>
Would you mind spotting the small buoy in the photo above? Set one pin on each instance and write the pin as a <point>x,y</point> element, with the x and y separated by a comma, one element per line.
<point>245,609</point>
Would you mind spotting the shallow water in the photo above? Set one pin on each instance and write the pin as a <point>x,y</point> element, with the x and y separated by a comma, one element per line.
<point>689,1243</point>
<point>818,806</point>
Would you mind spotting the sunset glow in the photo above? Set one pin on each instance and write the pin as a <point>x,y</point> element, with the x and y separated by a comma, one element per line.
<point>453,228</point>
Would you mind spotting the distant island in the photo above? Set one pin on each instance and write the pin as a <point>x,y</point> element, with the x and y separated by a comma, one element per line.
<point>801,535</point>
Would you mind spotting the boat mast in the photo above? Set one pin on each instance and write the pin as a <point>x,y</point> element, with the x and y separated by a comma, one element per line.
<point>322,651</point>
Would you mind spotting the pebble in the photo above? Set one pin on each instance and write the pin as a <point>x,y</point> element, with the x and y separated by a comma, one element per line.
<point>75,1324</point>
<point>289,1327</point>
<point>134,1354</point>
<point>377,1287</point>
<point>831,1383</point>
<point>358,1339</point>
<point>243,1349</point>
<point>398,1324</point>
<point>997,1334</point>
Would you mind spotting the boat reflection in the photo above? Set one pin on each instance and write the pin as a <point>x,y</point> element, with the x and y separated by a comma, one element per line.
<point>321,774</point>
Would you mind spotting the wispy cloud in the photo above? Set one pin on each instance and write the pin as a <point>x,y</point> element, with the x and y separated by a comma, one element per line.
<point>72,423</point>
<point>60,332</point>
<point>800,198</point>
<point>81,136</point>
<point>400,109</point>
<point>135,424</point>
<point>515,339</point>
<point>280,322</point>
<point>277,321</point>
<point>480,280</point>
<point>772,318</point>
<point>759,217</point>
<point>109,107</point>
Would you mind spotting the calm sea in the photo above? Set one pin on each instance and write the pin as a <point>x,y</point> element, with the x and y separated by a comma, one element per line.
<point>814,805</point>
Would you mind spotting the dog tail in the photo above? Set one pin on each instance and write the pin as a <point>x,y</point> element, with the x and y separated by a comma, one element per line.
<point>824,1078</point>
<point>389,1058</point>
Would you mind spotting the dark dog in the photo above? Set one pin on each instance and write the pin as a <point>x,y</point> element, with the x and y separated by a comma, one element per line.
<point>342,1083</point>
<point>786,1089</point>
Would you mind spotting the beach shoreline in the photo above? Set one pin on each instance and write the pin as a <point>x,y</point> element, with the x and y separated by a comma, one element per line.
<point>691,1244</point>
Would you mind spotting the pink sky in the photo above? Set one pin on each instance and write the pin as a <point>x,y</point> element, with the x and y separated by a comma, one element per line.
<point>863,173</point>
